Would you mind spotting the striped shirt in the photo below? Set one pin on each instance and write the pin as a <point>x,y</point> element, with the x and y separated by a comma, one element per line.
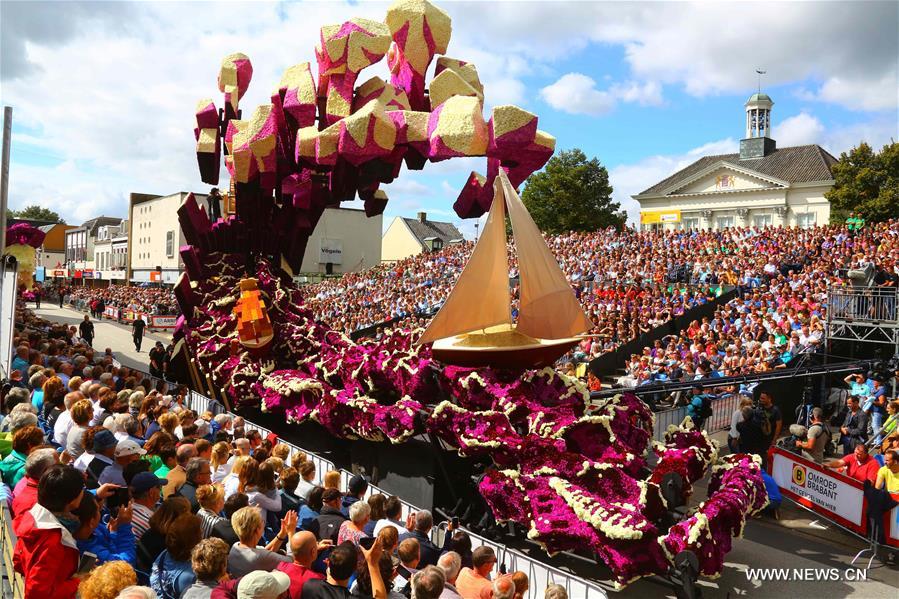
<point>140,520</point>
<point>208,521</point>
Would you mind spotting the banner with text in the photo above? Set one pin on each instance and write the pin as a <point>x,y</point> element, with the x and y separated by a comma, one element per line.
<point>331,251</point>
<point>163,322</point>
<point>824,491</point>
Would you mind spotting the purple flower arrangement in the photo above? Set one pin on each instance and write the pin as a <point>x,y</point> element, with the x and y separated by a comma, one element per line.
<point>572,472</point>
<point>24,234</point>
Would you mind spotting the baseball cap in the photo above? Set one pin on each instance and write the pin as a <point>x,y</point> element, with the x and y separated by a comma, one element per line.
<point>357,484</point>
<point>104,440</point>
<point>128,447</point>
<point>330,495</point>
<point>144,481</point>
<point>260,584</point>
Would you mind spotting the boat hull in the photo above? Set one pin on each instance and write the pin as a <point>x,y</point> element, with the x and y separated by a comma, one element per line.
<point>536,355</point>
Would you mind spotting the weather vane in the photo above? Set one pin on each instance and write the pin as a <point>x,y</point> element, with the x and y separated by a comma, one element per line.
<point>760,73</point>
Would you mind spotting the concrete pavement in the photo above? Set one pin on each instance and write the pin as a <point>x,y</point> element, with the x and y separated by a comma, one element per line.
<point>108,333</point>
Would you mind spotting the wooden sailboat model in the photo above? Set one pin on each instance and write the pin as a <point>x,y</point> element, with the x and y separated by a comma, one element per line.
<point>474,327</point>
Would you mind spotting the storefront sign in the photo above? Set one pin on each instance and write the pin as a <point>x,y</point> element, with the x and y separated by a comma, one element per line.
<point>59,273</point>
<point>40,273</point>
<point>331,251</point>
<point>826,492</point>
<point>651,217</point>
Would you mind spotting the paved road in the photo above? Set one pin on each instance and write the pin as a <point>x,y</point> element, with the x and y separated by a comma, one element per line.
<point>798,540</point>
<point>109,333</point>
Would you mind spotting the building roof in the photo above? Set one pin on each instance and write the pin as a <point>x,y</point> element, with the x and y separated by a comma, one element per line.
<point>759,98</point>
<point>799,164</point>
<point>95,223</point>
<point>423,229</point>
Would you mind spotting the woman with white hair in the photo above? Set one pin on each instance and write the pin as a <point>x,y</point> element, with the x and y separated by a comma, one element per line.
<point>555,591</point>
<point>353,530</point>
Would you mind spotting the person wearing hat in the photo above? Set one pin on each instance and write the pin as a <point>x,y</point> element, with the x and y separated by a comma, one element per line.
<point>125,452</point>
<point>355,491</point>
<point>263,585</point>
<point>146,490</point>
<point>327,525</point>
<point>104,456</point>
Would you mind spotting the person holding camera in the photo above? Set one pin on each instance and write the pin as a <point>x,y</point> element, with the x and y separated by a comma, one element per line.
<point>817,438</point>
<point>114,541</point>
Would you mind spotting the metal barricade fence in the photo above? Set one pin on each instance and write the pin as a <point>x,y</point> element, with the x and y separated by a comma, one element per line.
<point>11,584</point>
<point>539,574</point>
<point>666,418</point>
<point>722,409</point>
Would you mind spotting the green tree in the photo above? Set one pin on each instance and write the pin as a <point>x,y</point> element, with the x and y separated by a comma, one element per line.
<point>572,194</point>
<point>867,183</point>
<point>35,212</point>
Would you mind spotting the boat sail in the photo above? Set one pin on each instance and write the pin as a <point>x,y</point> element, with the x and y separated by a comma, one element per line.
<point>474,327</point>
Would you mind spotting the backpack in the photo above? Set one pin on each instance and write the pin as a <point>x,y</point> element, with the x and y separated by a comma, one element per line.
<point>706,411</point>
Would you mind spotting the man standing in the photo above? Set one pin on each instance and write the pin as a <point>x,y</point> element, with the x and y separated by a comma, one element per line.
<point>157,359</point>
<point>137,331</point>
<point>86,330</point>
<point>817,439</point>
<point>772,419</point>
<point>213,203</point>
<point>855,426</point>
<point>37,297</point>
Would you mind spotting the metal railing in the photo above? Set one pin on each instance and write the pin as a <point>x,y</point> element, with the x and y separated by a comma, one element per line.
<point>539,574</point>
<point>12,584</point>
<point>863,304</point>
<point>722,409</point>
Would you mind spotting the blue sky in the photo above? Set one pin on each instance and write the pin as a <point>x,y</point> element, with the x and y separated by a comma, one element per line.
<point>104,93</point>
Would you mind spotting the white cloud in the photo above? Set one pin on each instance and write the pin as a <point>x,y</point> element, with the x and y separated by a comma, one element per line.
<point>848,50</point>
<point>648,93</point>
<point>798,130</point>
<point>576,93</point>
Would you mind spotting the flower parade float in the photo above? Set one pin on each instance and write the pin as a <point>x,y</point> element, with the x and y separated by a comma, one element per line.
<point>573,473</point>
<point>22,241</point>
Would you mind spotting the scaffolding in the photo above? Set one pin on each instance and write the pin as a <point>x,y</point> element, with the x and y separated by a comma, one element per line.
<point>864,313</point>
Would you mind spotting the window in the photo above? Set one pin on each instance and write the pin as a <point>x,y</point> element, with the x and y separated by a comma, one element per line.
<point>690,223</point>
<point>725,221</point>
<point>170,244</point>
<point>761,220</point>
<point>806,220</point>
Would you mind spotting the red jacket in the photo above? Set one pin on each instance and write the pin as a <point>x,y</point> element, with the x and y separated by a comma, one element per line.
<point>25,496</point>
<point>46,555</point>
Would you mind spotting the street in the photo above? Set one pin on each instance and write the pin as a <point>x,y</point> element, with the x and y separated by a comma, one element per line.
<point>108,333</point>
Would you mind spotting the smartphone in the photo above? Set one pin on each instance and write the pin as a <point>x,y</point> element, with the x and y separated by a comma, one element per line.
<point>87,562</point>
<point>119,498</point>
<point>367,542</point>
<point>455,522</point>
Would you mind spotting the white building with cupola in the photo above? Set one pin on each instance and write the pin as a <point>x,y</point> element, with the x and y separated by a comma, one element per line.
<point>761,186</point>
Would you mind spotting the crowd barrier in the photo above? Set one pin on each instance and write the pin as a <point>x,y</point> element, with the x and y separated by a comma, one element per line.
<point>539,573</point>
<point>829,494</point>
<point>12,584</point>
<point>154,321</point>
<point>722,410</point>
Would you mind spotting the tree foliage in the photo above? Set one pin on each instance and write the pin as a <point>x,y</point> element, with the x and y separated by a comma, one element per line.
<point>572,194</point>
<point>35,212</point>
<point>867,183</point>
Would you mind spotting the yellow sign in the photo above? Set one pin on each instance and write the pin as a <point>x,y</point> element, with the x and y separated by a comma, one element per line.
<point>799,474</point>
<point>650,217</point>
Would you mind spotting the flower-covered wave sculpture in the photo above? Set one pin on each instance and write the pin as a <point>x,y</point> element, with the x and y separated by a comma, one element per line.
<point>574,473</point>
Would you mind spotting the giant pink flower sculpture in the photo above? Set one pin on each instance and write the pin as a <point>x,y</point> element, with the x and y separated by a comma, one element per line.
<point>574,473</point>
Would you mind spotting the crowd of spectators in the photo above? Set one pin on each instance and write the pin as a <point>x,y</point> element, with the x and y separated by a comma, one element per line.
<point>630,282</point>
<point>146,300</point>
<point>118,490</point>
